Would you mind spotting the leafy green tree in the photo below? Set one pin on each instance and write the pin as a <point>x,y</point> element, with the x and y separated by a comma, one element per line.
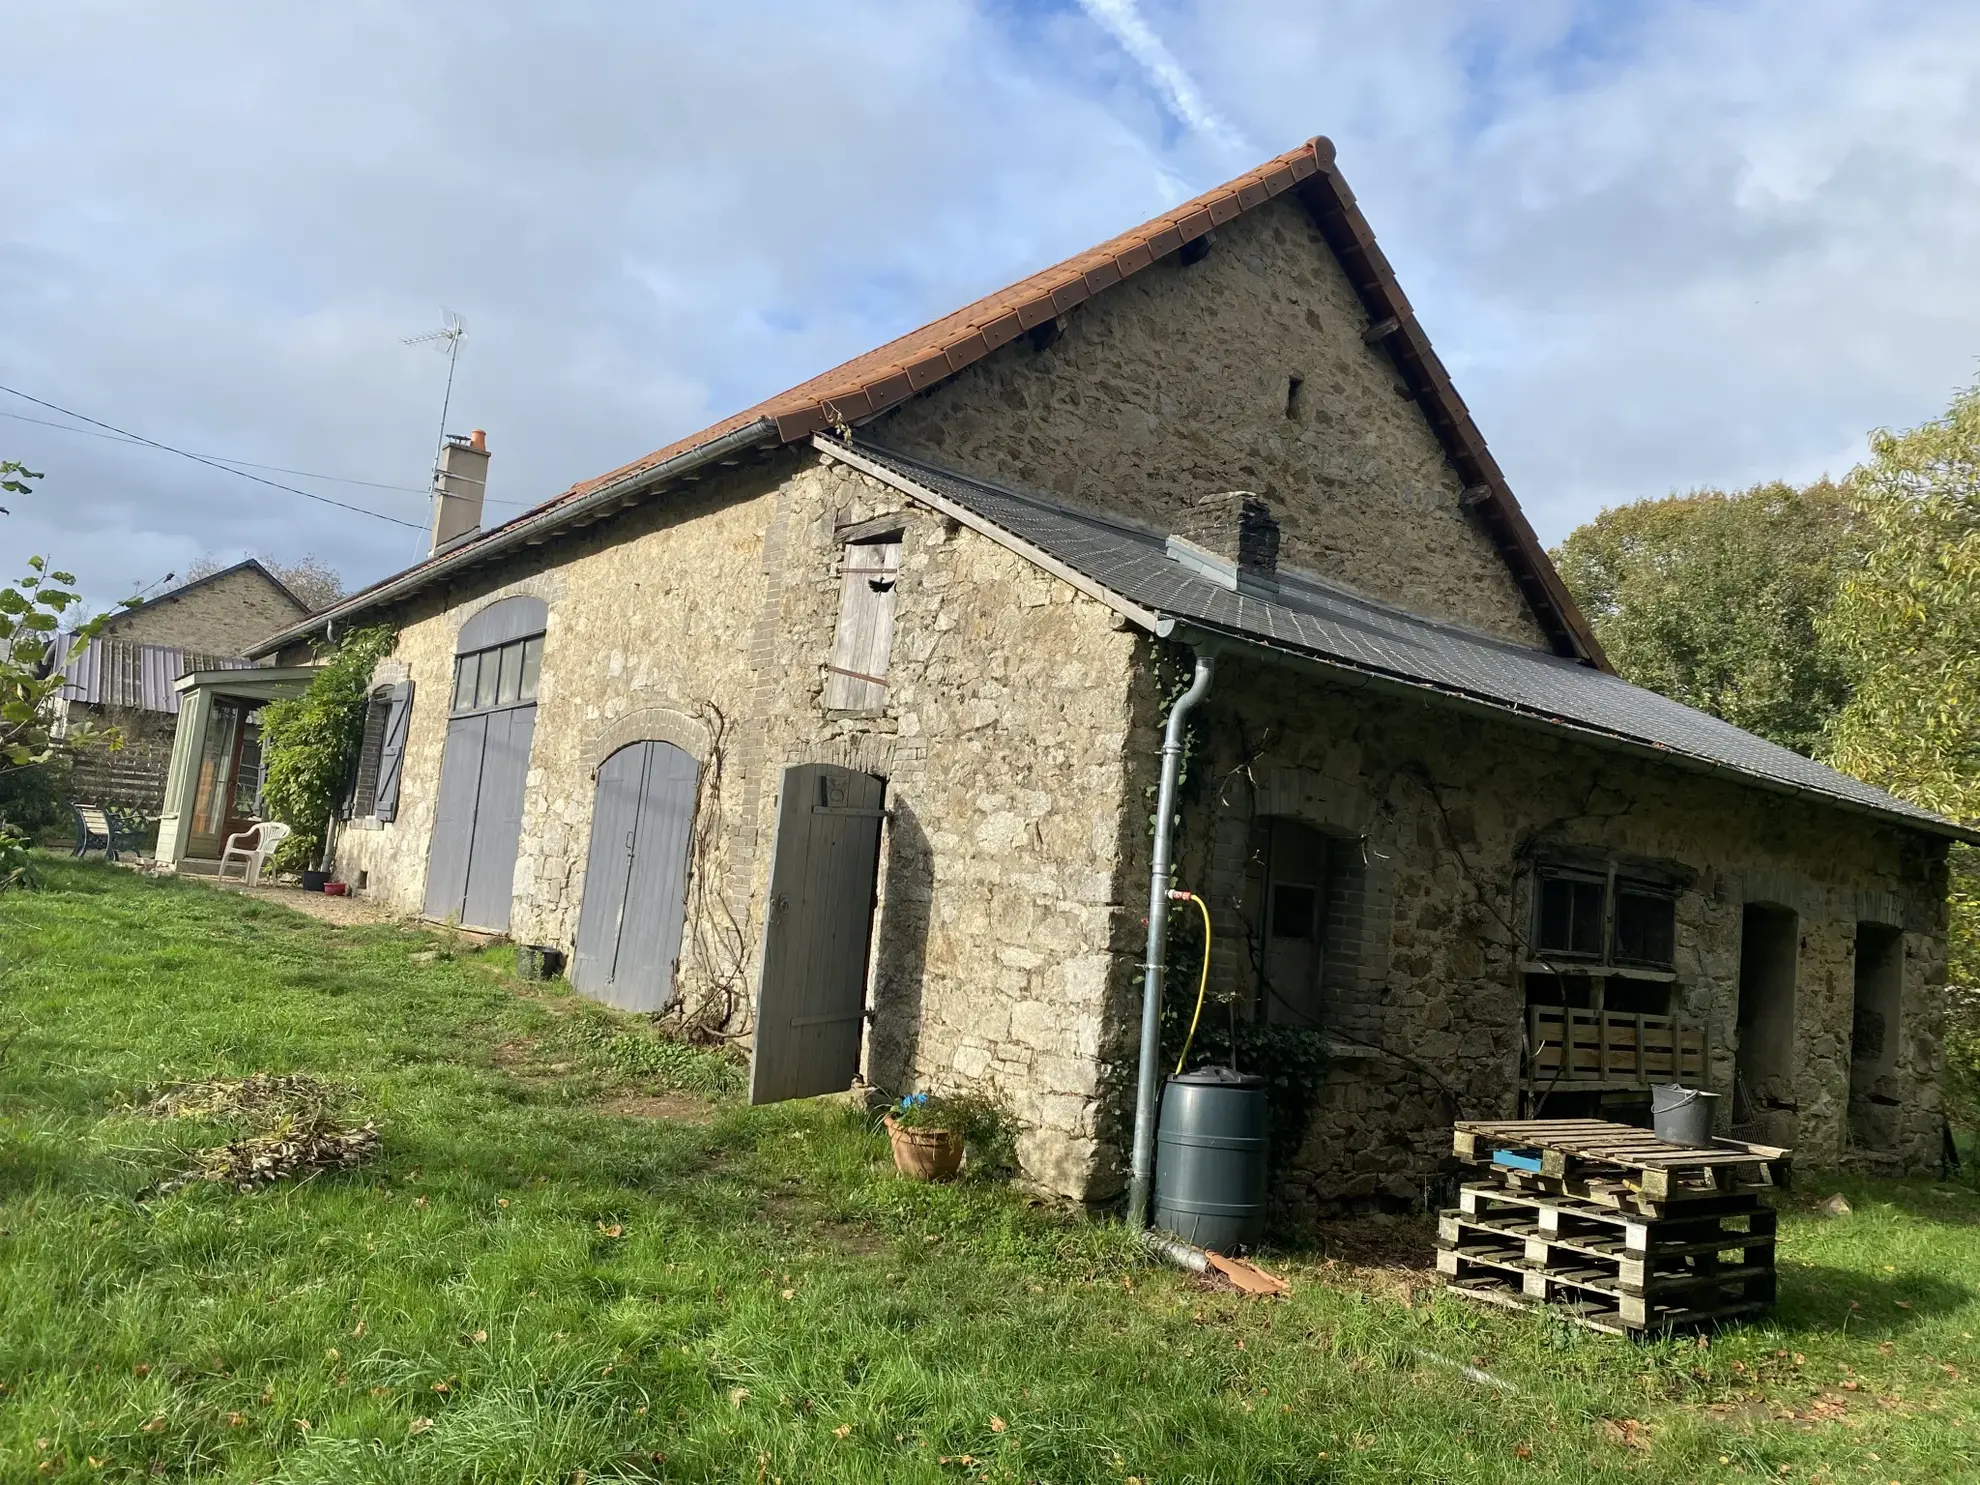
<point>309,744</point>
<point>31,659</point>
<point>1908,624</point>
<point>1718,600</point>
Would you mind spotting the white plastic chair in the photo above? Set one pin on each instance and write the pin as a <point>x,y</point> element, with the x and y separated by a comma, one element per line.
<point>252,847</point>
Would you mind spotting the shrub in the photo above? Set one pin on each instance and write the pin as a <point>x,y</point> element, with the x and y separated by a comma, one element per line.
<point>309,745</point>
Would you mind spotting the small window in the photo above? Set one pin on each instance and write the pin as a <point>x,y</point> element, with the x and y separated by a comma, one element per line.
<point>532,667</point>
<point>466,669</point>
<point>489,679</point>
<point>856,675</point>
<point>1571,914</point>
<point>511,683</point>
<point>1646,926</point>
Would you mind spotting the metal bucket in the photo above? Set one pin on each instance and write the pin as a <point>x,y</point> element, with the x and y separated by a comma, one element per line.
<point>1682,1115</point>
<point>1210,1159</point>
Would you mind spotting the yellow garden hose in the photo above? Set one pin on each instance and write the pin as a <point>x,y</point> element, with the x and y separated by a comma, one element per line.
<point>1202,980</point>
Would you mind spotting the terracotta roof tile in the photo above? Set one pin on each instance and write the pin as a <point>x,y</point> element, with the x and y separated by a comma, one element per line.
<point>889,374</point>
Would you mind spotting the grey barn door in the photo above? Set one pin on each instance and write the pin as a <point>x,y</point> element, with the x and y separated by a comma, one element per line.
<point>635,877</point>
<point>824,869</point>
<point>477,821</point>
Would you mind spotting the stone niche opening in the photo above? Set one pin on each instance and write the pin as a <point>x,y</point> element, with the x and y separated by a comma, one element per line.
<point>1873,1041</point>
<point>1764,1099</point>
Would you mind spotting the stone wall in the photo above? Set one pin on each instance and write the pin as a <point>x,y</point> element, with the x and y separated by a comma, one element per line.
<point>1449,811</point>
<point>223,615</point>
<point>1174,385</point>
<point>707,619</point>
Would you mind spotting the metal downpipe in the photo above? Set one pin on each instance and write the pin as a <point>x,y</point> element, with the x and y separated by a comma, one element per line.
<point>1141,1178</point>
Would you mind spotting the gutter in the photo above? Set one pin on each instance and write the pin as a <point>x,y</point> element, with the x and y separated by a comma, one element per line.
<point>519,532</point>
<point>1343,672</point>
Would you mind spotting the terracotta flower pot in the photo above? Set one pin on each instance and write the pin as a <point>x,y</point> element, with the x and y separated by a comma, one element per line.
<point>925,1154</point>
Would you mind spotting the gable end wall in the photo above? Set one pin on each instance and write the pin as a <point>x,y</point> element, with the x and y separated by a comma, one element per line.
<point>1173,385</point>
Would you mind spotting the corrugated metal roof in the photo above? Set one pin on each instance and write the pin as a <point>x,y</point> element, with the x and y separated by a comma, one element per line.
<point>1313,617</point>
<point>116,672</point>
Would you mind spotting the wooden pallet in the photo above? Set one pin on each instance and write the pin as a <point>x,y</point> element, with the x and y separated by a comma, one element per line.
<point>1556,1215</point>
<point>1494,1287</point>
<point>1677,1261</point>
<point>1610,1162</point>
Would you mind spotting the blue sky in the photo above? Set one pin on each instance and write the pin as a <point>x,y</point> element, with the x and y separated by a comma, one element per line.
<point>1660,245</point>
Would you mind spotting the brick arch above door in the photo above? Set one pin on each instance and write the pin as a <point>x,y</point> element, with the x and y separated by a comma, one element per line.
<point>649,724</point>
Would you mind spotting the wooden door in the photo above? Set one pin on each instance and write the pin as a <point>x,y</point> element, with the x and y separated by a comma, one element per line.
<point>498,819</point>
<point>636,876</point>
<point>824,870</point>
<point>453,819</point>
<point>477,819</point>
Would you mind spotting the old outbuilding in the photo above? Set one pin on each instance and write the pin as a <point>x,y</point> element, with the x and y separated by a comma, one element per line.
<point>836,726</point>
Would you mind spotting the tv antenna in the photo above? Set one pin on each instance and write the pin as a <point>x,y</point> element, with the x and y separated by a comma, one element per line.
<point>447,340</point>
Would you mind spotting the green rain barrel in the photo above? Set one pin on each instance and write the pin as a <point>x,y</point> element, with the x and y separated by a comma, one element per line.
<point>1210,1158</point>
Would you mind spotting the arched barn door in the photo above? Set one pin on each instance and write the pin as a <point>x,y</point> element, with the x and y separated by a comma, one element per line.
<point>477,816</point>
<point>635,877</point>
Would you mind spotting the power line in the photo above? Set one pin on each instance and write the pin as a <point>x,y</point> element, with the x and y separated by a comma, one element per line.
<point>308,474</point>
<point>210,463</point>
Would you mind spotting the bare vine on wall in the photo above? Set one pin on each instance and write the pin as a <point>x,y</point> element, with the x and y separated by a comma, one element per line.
<point>721,940</point>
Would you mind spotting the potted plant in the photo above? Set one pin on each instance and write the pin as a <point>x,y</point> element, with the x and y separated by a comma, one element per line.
<point>927,1137</point>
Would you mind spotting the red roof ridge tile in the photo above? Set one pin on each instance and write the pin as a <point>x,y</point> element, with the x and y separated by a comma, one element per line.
<point>889,374</point>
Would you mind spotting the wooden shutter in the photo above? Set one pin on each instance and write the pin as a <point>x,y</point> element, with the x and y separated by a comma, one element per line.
<point>358,798</point>
<point>392,751</point>
<point>824,868</point>
<point>856,675</point>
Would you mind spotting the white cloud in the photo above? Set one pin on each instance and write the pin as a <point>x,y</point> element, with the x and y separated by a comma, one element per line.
<point>1658,246</point>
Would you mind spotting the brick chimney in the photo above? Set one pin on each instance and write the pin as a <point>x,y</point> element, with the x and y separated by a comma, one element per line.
<point>1232,540</point>
<point>458,486</point>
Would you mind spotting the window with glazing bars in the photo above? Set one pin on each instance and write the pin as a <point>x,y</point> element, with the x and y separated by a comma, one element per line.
<point>503,676</point>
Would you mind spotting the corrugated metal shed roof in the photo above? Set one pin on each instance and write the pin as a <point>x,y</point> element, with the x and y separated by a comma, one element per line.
<point>116,672</point>
<point>1331,624</point>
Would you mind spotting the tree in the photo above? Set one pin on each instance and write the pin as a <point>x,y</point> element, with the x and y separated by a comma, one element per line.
<point>31,660</point>
<point>1718,600</point>
<point>1908,624</point>
<point>309,577</point>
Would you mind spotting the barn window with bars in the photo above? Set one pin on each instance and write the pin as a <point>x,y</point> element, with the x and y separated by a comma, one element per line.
<point>856,675</point>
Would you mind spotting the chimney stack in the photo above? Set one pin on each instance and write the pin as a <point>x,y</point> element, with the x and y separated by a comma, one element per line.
<point>1233,540</point>
<point>458,486</point>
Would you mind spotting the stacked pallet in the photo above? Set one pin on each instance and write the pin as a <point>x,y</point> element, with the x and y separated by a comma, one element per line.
<point>1621,1231</point>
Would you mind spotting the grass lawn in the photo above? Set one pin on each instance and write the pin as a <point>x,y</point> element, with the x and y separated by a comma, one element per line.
<point>537,1280</point>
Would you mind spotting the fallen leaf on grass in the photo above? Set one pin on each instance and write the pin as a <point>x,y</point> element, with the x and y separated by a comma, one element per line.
<point>155,1425</point>
<point>1522,1451</point>
<point>615,1230</point>
<point>1631,1433</point>
<point>997,1425</point>
<point>236,1420</point>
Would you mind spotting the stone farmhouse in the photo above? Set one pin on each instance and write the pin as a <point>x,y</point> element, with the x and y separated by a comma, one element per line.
<point>125,677</point>
<point>837,725</point>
